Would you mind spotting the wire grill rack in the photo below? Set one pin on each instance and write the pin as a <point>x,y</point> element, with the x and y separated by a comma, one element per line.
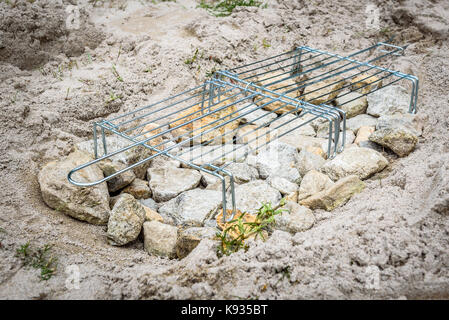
<point>198,127</point>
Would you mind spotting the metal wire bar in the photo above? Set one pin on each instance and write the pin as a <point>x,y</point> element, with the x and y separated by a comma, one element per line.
<point>213,112</point>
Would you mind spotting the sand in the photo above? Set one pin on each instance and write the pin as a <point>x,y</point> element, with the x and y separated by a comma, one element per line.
<point>389,242</point>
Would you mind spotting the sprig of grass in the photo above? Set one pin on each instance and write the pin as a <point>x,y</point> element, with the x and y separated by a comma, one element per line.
<point>190,61</point>
<point>233,237</point>
<point>113,97</point>
<point>116,74</point>
<point>39,258</point>
<point>225,7</point>
<point>265,43</point>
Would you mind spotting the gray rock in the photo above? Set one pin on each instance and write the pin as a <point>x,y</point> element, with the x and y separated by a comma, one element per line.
<point>139,189</point>
<point>353,103</point>
<point>401,140</point>
<point>189,238</point>
<point>250,196</point>
<point>307,161</point>
<point>282,185</point>
<point>160,239</point>
<point>302,142</point>
<point>119,182</point>
<point>335,196</point>
<point>370,145</point>
<point>216,155</point>
<point>279,159</point>
<point>192,207</point>
<point>297,219</point>
<point>313,182</point>
<point>167,183</point>
<point>410,121</point>
<point>258,117</point>
<point>388,100</point>
<point>164,162</point>
<point>362,120</point>
<point>256,138</point>
<point>150,203</point>
<point>86,204</point>
<point>362,162</point>
<point>126,220</point>
<point>289,122</point>
<point>127,157</point>
<point>242,172</point>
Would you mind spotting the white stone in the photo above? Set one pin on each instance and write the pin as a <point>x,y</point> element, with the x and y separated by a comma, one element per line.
<point>167,183</point>
<point>192,207</point>
<point>126,220</point>
<point>362,162</point>
<point>388,100</point>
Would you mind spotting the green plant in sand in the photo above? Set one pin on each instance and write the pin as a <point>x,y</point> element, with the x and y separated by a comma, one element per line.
<point>246,226</point>
<point>39,258</point>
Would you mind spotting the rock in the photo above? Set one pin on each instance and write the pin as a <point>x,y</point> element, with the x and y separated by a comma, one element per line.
<point>113,200</point>
<point>167,183</point>
<point>283,185</point>
<point>300,142</point>
<point>119,182</point>
<point>216,155</point>
<point>411,121</point>
<point>149,131</point>
<point>323,91</point>
<point>242,172</point>
<point>283,83</point>
<point>139,189</point>
<point>254,137</point>
<point>288,122</point>
<point>204,254</point>
<point>313,182</point>
<point>218,185</point>
<point>349,138</point>
<point>362,120</point>
<point>213,128</point>
<point>335,196</point>
<point>250,196</point>
<point>189,238</point>
<point>362,162</point>
<point>192,207</point>
<point>363,133</point>
<point>151,215</point>
<point>278,159</point>
<point>307,161</point>
<point>297,219</point>
<point>388,101</point>
<point>371,145</point>
<point>400,140</point>
<point>86,204</point>
<point>208,179</point>
<point>258,117</point>
<point>160,239</point>
<point>164,162</point>
<point>323,132</point>
<point>150,203</point>
<point>126,220</point>
<point>207,127</point>
<point>127,157</point>
<point>352,103</point>
<point>292,197</point>
<point>364,84</point>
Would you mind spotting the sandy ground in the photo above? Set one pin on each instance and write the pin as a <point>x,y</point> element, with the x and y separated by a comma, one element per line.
<point>55,80</point>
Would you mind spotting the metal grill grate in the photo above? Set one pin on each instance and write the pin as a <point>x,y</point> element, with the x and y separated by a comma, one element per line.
<point>198,127</point>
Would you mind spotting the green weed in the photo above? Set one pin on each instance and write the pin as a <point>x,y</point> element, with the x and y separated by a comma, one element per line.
<point>224,8</point>
<point>233,237</point>
<point>39,258</point>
